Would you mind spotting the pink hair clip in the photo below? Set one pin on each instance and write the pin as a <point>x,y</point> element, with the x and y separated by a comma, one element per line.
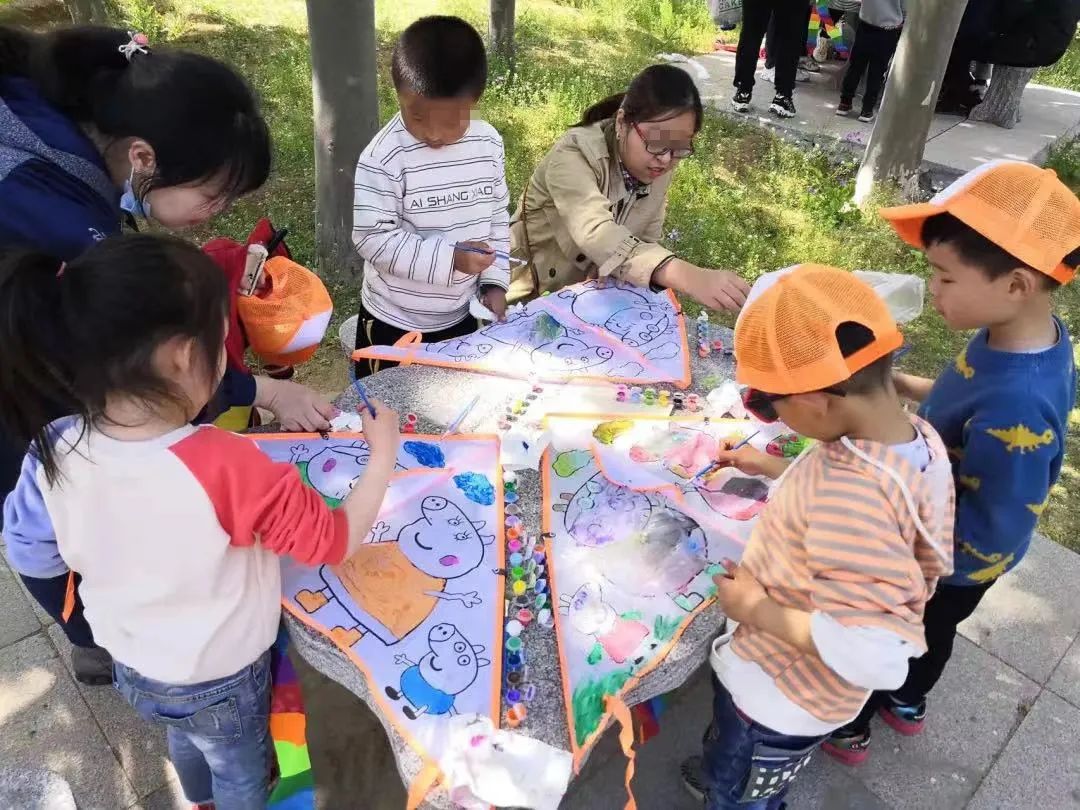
<point>139,43</point>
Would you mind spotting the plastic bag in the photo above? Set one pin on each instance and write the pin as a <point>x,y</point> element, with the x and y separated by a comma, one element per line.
<point>903,293</point>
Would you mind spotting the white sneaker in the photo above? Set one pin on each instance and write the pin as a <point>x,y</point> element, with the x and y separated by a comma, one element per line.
<point>808,64</point>
<point>767,75</point>
<point>821,50</point>
<point>802,75</point>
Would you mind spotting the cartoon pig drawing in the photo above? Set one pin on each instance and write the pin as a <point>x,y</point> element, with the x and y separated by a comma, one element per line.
<point>443,673</point>
<point>569,354</point>
<point>392,587</point>
<point>620,639</point>
<point>334,470</point>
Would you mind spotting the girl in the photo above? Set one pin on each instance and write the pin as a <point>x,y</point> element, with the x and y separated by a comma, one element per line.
<point>96,127</point>
<point>595,204</point>
<point>175,529</point>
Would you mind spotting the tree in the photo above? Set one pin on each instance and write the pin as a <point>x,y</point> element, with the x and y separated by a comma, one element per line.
<point>1002,103</point>
<point>898,141</point>
<point>501,29</point>
<point>84,12</point>
<point>346,112</point>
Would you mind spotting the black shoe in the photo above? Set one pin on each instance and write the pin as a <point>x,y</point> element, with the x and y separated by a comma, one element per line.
<point>740,102</point>
<point>866,116</point>
<point>693,777</point>
<point>782,107</point>
<point>93,666</point>
<point>843,108</point>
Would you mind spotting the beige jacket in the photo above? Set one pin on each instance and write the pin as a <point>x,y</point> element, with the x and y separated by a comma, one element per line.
<point>577,220</point>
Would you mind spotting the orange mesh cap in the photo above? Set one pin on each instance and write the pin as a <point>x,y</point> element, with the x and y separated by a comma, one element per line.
<point>285,322</point>
<point>785,339</point>
<point>1026,211</point>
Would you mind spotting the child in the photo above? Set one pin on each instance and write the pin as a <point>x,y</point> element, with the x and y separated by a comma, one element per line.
<point>878,34</point>
<point>830,593</point>
<point>788,19</point>
<point>431,196</point>
<point>174,529</point>
<point>1000,240</point>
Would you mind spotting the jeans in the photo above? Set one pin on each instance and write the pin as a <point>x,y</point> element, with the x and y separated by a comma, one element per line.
<point>788,17</point>
<point>874,47</point>
<point>218,732</point>
<point>748,766</point>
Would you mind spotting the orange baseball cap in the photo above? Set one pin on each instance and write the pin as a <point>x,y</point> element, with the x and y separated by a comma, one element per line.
<point>1026,211</point>
<point>785,338</point>
<point>286,321</point>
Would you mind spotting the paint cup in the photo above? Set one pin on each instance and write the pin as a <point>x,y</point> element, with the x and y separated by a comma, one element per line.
<point>514,660</point>
<point>513,644</point>
<point>539,571</point>
<point>510,497</point>
<point>539,557</point>
<point>545,618</point>
<point>520,602</point>
<point>514,678</point>
<point>513,696</point>
<point>518,587</point>
<point>514,667</point>
<point>513,521</point>
<point>513,628</point>
<point>411,418</point>
<point>514,533</point>
<point>525,616</point>
<point>540,587</point>
<point>509,477</point>
<point>512,509</point>
<point>530,398</point>
<point>530,582</point>
<point>516,559</point>
<point>514,544</point>
<point>540,602</point>
<point>517,573</point>
<point>515,715</point>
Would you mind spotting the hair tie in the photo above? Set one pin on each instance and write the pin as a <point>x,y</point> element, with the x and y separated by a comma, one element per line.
<point>139,43</point>
<point>63,267</point>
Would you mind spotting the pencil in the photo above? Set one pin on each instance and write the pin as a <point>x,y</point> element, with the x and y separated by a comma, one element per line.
<point>363,396</point>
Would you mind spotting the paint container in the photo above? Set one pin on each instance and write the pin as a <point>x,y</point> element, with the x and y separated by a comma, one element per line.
<point>525,616</point>
<point>635,394</point>
<point>409,427</point>
<point>504,424</point>
<point>510,497</point>
<point>678,399</point>
<point>545,618</point>
<point>514,533</point>
<point>515,667</point>
<point>514,545</point>
<point>540,587</point>
<point>520,602</point>
<point>509,477</point>
<point>516,559</point>
<point>512,509</point>
<point>539,557</point>
<point>510,486</point>
<point>515,677</point>
<point>530,398</point>
<point>518,588</point>
<point>530,582</point>
<point>507,607</point>
<point>513,644</point>
<point>519,407</point>
<point>514,696</point>
<point>517,572</point>
<point>539,571</point>
<point>528,692</point>
<point>513,628</point>
<point>513,522</point>
<point>515,660</point>
<point>540,603</point>
<point>664,398</point>
<point>515,715</point>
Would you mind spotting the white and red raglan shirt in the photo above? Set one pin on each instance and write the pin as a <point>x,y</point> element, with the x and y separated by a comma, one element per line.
<point>176,540</point>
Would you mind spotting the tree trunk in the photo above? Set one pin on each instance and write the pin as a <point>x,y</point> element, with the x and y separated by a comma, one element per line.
<point>346,113</point>
<point>501,29</point>
<point>1002,103</point>
<point>85,12</point>
<point>898,141</point>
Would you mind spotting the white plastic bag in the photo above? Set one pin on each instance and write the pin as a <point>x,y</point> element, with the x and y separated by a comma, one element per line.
<point>903,293</point>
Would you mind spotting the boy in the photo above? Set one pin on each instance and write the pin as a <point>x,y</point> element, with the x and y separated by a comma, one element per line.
<point>431,196</point>
<point>880,25</point>
<point>830,593</point>
<point>1000,240</point>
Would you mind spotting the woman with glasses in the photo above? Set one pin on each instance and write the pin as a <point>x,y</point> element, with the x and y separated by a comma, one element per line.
<point>594,206</point>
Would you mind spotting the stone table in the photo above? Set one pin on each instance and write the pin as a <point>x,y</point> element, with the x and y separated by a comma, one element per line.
<point>437,395</point>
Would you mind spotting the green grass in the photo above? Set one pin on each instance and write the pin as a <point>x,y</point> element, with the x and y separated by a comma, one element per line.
<point>746,201</point>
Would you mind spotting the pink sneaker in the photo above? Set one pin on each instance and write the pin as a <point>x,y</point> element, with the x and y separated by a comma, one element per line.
<point>850,750</point>
<point>903,719</point>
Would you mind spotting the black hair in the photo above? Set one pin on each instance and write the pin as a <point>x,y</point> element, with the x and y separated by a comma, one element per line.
<point>440,57</point>
<point>658,93</point>
<point>851,337</point>
<point>73,335</point>
<point>198,114</point>
<point>978,251</point>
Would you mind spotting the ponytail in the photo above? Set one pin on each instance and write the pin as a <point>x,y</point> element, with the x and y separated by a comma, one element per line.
<point>199,116</point>
<point>34,387</point>
<point>658,93</point>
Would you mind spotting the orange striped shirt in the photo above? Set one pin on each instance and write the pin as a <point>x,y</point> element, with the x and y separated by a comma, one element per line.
<point>838,537</point>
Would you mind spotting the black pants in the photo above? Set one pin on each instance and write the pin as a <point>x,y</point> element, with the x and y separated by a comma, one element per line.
<point>788,19</point>
<point>370,331</point>
<point>50,595</point>
<point>874,47</point>
<point>947,608</point>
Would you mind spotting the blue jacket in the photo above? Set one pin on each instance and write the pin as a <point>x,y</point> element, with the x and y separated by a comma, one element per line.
<point>1003,416</point>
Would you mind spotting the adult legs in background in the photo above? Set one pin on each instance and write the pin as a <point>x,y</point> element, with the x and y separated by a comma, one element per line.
<point>755,23</point>
<point>789,17</point>
<point>91,663</point>
<point>372,332</point>
<point>878,68</point>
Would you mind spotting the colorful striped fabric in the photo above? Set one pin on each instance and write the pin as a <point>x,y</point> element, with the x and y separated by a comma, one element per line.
<point>295,790</point>
<point>820,17</point>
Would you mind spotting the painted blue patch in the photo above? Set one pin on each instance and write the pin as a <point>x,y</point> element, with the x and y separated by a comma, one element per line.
<point>477,488</point>
<point>429,455</point>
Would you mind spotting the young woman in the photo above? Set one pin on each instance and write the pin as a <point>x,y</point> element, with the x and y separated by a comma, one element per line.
<point>595,204</point>
<point>95,128</point>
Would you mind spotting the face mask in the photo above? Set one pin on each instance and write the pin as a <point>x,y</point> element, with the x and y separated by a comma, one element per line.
<point>132,204</point>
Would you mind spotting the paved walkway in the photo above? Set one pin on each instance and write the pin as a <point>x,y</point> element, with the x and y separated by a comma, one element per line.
<point>1002,733</point>
<point>954,145</point>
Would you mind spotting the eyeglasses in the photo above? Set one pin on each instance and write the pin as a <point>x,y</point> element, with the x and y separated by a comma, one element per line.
<point>659,148</point>
<point>761,405</point>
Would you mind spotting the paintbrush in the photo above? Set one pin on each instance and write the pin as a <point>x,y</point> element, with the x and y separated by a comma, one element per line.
<point>461,417</point>
<point>713,466</point>
<point>499,254</point>
<point>363,396</point>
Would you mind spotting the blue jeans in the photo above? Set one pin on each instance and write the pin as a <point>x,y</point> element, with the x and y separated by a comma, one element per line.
<point>218,732</point>
<point>748,766</point>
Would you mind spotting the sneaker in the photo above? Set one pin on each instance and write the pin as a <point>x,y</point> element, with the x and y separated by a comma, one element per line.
<point>802,75</point>
<point>693,777</point>
<point>782,107</point>
<point>850,749</point>
<point>821,50</point>
<point>866,116</point>
<point>767,75</point>
<point>93,666</point>
<point>905,719</point>
<point>843,108</point>
<point>809,65</point>
<point>740,102</point>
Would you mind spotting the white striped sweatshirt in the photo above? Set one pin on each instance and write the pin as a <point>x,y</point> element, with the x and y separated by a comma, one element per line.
<point>411,204</point>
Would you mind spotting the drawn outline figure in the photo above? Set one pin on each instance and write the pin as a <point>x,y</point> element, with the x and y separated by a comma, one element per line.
<point>432,685</point>
<point>621,639</point>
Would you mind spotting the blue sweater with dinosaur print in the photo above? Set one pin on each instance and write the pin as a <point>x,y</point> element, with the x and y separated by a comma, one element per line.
<point>1003,417</point>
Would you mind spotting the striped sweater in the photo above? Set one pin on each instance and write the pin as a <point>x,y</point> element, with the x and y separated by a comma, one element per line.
<point>411,204</point>
<point>838,538</point>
